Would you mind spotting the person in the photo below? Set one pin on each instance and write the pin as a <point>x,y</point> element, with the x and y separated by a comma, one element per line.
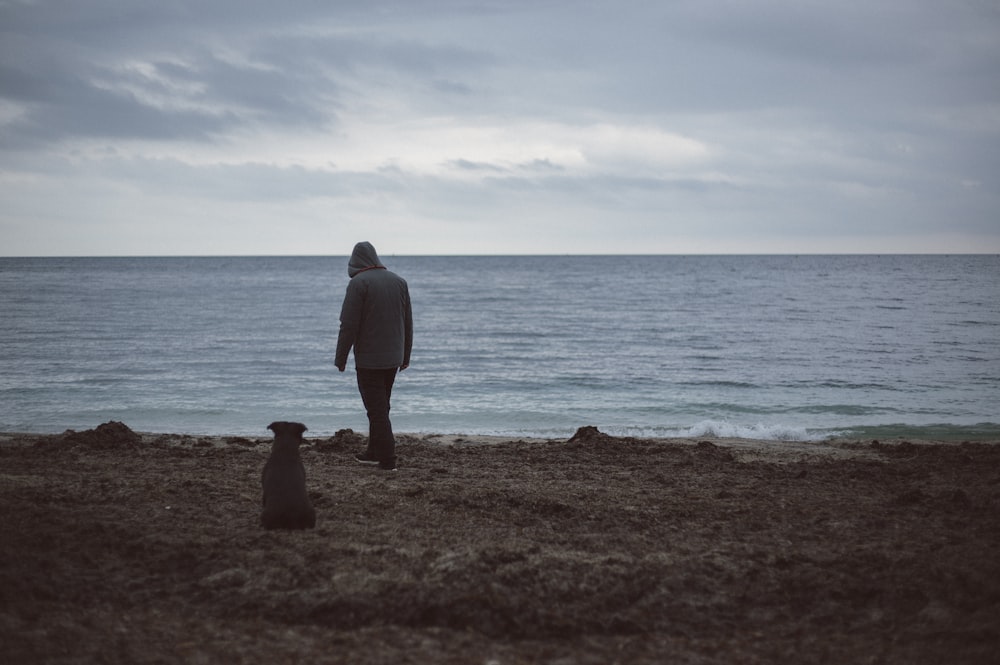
<point>376,320</point>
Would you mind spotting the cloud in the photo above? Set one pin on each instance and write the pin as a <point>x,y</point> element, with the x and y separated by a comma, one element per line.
<point>605,126</point>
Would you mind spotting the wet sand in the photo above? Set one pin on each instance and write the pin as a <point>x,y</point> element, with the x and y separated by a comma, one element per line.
<point>146,548</point>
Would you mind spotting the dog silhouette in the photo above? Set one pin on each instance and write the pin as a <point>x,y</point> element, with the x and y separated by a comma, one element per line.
<point>286,503</point>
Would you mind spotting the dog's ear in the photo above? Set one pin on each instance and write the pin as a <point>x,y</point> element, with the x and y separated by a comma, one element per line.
<point>301,428</point>
<point>271,426</point>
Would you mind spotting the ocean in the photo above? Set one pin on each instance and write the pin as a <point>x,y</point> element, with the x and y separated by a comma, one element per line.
<point>763,347</point>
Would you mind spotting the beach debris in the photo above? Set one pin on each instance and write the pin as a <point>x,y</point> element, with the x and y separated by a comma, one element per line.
<point>590,434</point>
<point>113,434</point>
<point>344,438</point>
<point>349,436</point>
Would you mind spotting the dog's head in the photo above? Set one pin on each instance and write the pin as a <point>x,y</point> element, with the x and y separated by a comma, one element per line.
<point>286,428</point>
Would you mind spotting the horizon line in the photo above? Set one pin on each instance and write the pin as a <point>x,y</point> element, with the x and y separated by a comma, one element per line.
<point>484,255</point>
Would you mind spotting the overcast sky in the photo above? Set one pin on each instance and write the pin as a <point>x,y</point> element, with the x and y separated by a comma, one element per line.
<point>484,126</point>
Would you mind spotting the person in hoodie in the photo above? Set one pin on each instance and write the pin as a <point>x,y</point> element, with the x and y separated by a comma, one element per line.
<point>377,322</point>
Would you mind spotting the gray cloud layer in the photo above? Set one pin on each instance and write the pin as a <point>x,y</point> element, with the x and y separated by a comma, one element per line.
<point>429,127</point>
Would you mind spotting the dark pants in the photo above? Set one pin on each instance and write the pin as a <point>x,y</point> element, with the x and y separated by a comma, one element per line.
<point>376,390</point>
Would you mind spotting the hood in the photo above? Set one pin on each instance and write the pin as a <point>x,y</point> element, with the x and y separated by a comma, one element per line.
<point>363,258</point>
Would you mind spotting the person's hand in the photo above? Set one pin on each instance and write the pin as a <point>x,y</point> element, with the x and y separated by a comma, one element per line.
<point>341,367</point>
<point>403,366</point>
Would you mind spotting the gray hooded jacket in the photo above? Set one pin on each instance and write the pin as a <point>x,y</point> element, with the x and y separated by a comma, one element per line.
<point>376,318</point>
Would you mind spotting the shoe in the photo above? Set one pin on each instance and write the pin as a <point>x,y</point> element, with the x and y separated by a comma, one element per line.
<point>363,458</point>
<point>388,466</point>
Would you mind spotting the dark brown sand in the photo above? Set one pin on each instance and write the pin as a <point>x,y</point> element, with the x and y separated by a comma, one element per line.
<point>126,548</point>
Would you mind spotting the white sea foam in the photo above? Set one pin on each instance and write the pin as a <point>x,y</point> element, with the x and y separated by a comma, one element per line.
<point>727,430</point>
<point>718,429</point>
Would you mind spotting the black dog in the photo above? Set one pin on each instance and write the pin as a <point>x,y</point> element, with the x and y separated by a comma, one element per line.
<point>286,504</point>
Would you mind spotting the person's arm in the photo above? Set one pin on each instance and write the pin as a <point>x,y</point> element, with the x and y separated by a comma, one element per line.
<point>407,328</point>
<point>350,322</point>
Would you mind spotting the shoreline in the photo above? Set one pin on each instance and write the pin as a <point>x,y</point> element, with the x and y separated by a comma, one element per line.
<point>983,432</point>
<point>114,434</point>
<point>466,437</point>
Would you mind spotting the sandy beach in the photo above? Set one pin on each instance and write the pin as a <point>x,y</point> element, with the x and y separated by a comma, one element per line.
<point>121,547</point>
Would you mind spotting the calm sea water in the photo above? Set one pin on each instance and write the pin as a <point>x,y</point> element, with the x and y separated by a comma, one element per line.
<point>776,347</point>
